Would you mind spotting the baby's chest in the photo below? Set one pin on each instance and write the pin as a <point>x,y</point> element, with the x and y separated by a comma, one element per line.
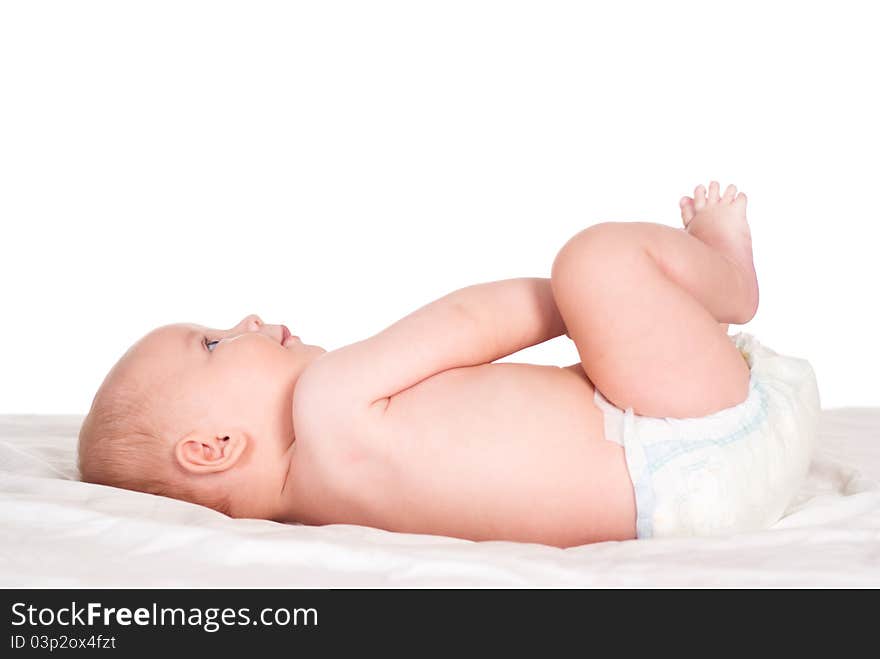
<point>493,440</point>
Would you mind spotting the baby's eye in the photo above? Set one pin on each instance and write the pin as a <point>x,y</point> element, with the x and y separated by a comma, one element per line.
<point>210,344</point>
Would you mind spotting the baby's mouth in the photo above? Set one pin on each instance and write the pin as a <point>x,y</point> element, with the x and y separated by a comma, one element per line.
<point>286,337</point>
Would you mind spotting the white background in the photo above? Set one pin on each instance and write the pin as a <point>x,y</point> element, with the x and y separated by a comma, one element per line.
<point>334,166</point>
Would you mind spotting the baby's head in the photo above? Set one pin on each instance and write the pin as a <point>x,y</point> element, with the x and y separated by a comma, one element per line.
<point>199,414</point>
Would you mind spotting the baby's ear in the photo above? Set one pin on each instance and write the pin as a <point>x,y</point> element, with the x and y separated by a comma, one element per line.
<point>205,453</point>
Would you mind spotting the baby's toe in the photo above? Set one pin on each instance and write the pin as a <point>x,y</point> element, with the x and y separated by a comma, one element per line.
<point>740,200</point>
<point>729,194</point>
<point>687,209</point>
<point>714,188</point>
<point>699,196</point>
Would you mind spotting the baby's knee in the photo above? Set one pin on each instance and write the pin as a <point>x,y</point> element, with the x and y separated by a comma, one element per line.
<point>600,250</point>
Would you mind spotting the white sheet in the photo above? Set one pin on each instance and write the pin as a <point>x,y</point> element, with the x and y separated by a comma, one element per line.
<point>56,531</point>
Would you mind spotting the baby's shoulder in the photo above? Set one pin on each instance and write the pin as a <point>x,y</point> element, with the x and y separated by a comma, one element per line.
<point>321,409</point>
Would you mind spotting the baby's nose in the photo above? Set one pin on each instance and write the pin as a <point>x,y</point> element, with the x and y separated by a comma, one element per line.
<point>251,323</point>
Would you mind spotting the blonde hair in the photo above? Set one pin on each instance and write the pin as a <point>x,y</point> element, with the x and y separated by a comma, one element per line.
<point>121,445</point>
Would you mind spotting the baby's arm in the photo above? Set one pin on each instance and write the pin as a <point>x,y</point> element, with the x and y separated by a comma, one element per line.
<point>473,325</point>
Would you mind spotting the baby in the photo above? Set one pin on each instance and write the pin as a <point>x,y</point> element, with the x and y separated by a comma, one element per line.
<point>667,426</point>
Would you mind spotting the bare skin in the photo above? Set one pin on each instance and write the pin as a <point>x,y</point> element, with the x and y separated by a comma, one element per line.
<point>516,451</point>
<point>490,452</point>
<point>416,429</point>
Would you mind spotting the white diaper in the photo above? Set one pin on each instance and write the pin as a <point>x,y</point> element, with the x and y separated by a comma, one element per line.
<point>729,472</point>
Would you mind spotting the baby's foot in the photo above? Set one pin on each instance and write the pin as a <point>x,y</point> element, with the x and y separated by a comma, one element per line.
<point>720,222</point>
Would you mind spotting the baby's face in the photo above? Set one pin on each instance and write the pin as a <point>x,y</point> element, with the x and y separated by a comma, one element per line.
<point>218,382</point>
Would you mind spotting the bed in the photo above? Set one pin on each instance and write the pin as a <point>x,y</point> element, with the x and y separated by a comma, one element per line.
<point>58,532</point>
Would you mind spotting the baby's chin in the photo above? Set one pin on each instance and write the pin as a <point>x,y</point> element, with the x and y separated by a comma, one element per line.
<point>295,344</point>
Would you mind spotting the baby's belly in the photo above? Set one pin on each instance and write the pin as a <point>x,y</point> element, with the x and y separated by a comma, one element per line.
<point>500,404</point>
<point>502,451</point>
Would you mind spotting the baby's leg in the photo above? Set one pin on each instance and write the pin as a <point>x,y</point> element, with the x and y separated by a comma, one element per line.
<point>643,303</point>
